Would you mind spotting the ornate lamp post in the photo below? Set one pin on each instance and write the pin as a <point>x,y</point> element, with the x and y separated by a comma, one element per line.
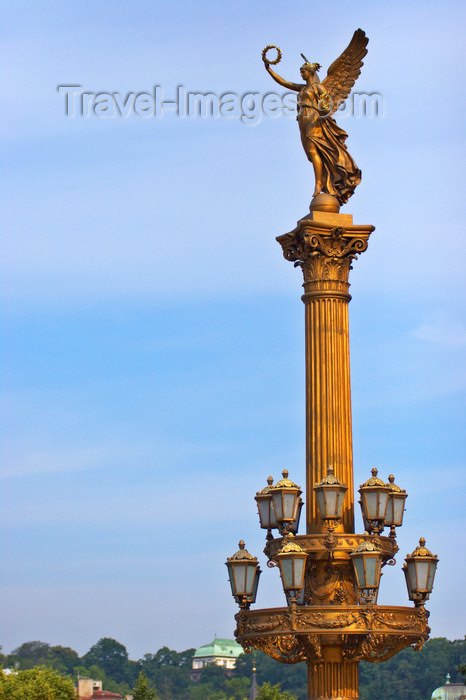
<point>330,575</point>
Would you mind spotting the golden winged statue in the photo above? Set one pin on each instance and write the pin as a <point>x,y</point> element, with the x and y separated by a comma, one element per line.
<point>336,173</point>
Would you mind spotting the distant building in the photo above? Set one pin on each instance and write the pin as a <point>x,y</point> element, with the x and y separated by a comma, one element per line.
<point>91,689</point>
<point>222,652</point>
<point>450,691</point>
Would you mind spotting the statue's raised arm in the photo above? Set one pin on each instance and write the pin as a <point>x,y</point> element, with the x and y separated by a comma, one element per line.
<point>336,173</point>
<point>278,79</point>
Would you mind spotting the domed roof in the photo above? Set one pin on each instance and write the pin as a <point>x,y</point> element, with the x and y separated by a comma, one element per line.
<point>220,647</point>
<point>449,691</point>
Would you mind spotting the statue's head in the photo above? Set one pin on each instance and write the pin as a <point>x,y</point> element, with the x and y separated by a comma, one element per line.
<point>308,67</point>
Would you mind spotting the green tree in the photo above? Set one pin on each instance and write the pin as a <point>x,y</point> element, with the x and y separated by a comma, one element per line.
<point>39,683</point>
<point>30,654</point>
<point>142,690</point>
<point>63,658</point>
<point>291,677</point>
<point>237,688</point>
<point>170,672</point>
<point>3,659</point>
<point>111,657</point>
<point>411,674</point>
<point>274,692</point>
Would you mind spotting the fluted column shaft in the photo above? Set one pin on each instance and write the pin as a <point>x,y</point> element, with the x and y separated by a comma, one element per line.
<point>324,246</point>
<point>328,400</point>
<point>333,679</point>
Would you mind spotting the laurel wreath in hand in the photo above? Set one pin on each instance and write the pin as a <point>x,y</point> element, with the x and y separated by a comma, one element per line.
<point>266,60</point>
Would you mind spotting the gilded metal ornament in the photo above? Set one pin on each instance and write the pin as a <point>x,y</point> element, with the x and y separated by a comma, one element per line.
<point>336,173</point>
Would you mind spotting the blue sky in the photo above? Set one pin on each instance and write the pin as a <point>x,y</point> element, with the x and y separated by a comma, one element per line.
<point>153,334</point>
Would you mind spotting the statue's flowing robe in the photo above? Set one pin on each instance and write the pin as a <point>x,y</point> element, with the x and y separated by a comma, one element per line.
<point>340,175</point>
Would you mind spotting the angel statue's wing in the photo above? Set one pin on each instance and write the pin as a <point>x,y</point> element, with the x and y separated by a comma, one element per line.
<point>344,72</point>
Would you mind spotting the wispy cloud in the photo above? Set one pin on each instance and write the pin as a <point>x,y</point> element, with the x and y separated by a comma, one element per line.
<point>441,329</point>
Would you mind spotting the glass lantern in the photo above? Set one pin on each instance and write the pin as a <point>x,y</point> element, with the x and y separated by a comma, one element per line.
<point>367,563</point>
<point>295,524</point>
<point>374,502</point>
<point>243,573</point>
<point>330,493</point>
<point>265,509</point>
<point>285,498</point>
<point>396,506</point>
<point>292,563</point>
<point>419,570</point>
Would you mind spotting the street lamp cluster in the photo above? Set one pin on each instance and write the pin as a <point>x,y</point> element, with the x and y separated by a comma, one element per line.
<point>279,507</point>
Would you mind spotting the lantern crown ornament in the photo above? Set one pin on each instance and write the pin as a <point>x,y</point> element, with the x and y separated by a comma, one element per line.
<point>329,479</point>
<point>290,545</point>
<point>393,486</point>
<point>285,482</point>
<point>422,551</point>
<point>374,480</point>
<point>266,490</point>
<point>366,546</point>
<point>242,553</point>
